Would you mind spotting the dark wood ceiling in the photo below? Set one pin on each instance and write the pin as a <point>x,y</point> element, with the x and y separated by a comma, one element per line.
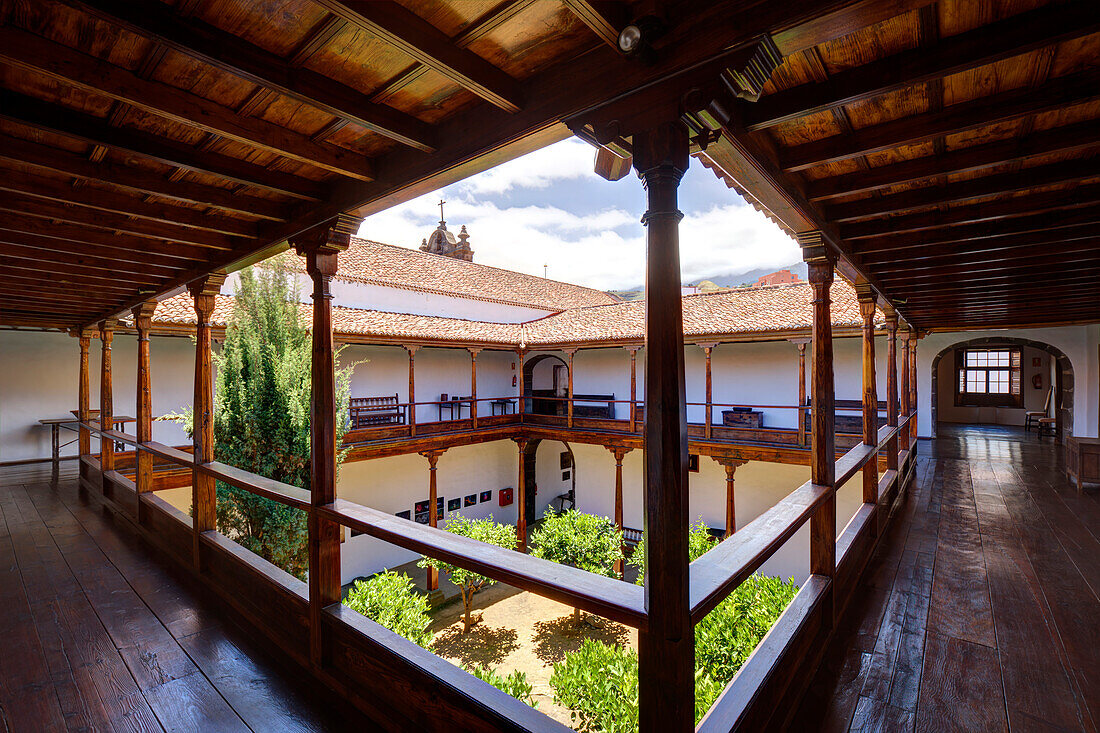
<point>944,149</point>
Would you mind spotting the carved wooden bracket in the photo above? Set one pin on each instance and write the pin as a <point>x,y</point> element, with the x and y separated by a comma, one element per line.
<point>332,237</point>
<point>143,316</point>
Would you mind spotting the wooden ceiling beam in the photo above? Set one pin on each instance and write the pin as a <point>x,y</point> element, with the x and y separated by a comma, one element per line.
<point>1051,259</point>
<point>949,239</point>
<point>41,156</point>
<point>1056,94</point>
<point>21,204</point>
<point>422,41</point>
<point>993,249</point>
<point>1071,138</point>
<point>990,283</point>
<point>45,305</point>
<point>233,55</point>
<point>90,274</point>
<point>94,300</point>
<point>32,226</point>
<point>605,19</point>
<point>117,254</point>
<point>39,115</point>
<point>1069,171</point>
<point>1037,296</point>
<point>52,189</point>
<point>65,259</point>
<point>988,211</point>
<point>32,280</point>
<point>985,45</point>
<point>68,66</point>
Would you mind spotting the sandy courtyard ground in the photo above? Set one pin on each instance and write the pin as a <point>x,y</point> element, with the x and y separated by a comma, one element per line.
<point>520,630</point>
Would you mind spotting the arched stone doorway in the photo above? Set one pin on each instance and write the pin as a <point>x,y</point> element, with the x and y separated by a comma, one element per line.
<point>1063,377</point>
<point>530,476</point>
<point>539,401</point>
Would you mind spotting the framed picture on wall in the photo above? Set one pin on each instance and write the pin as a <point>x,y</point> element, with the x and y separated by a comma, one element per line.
<point>453,505</point>
<point>470,500</point>
<point>405,514</point>
<point>1036,361</point>
<point>422,518</point>
<point>564,475</point>
<point>565,461</point>
<point>693,463</point>
<point>421,507</point>
<point>486,496</point>
<point>439,508</point>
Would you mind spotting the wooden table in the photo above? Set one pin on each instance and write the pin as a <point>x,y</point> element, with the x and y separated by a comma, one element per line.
<point>505,405</point>
<point>70,423</point>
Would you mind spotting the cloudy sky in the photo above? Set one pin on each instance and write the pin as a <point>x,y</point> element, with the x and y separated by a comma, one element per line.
<point>549,208</point>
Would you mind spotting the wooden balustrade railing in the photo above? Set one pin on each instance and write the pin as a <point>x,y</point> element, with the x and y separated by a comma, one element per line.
<point>712,577</point>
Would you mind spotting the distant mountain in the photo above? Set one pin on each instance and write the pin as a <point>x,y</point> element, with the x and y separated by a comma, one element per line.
<point>733,280</point>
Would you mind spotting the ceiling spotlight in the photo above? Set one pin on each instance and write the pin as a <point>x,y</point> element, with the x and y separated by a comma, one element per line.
<point>630,39</point>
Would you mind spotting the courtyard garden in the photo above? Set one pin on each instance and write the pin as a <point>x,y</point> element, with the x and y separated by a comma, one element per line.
<point>576,667</point>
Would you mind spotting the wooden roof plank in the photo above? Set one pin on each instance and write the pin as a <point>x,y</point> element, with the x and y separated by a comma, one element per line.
<point>886,259</point>
<point>1017,35</point>
<point>603,19</point>
<point>232,54</point>
<point>1062,92</point>
<point>40,115</point>
<point>117,254</point>
<point>33,226</point>
<point>431,47</point>
<point>69,66</point>
<point>109,264</point>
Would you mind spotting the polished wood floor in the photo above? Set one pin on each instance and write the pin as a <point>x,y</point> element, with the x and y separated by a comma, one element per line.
<point>96,634</point>
<point>980,610</point>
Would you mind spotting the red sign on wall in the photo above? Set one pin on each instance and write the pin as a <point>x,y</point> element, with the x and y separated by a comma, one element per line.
<point>505,497</point>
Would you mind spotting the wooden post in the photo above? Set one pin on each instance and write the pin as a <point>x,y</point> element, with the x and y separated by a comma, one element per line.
<point>730,464</point>
<point>106,399</point>
<point>521,386</point>
<point>143,480</point>
<point>823,435</point>
<point>801,344</point>
<point>569,404</point>
<point>521,496</point>
<point>412,389</point>
<point>913,337</point>
<point>433,499</point>
<point>633,388</point>
<point>321,247</point>
<point>620,453</point>
<point>870,390</point>
<point>904,389</point>
<point>666,649</point>
<point>473,386</point>
<point>707,420</point>
<point>203,494</point>
<point>892,387</point>
<point>84,393</point>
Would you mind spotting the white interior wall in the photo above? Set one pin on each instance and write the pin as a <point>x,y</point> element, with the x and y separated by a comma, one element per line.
<point>1034,399</point>
<point>1078,343</point>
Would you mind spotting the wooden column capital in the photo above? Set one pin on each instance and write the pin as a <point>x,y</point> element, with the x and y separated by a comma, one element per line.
<point>521,443</point>
<point>143,318</point>
<point>330,238</point>
<point>619,451</point>
<point>411,348</point>
<point>433,457</point>
<point>107,331</point>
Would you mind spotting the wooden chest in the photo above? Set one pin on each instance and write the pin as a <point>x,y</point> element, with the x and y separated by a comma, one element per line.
<point>1083,460</point>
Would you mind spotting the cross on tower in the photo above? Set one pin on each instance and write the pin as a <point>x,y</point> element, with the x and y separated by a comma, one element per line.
<point>441,202</point>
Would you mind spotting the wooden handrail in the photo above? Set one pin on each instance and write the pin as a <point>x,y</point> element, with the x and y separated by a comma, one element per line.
<point>718,573</point>
<point>849,464</point>
<point>265,487</point>
<point>607,597</point>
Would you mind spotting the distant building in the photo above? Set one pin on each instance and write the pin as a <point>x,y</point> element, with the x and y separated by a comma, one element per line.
<point>782,277</point>
<point>443,242</point>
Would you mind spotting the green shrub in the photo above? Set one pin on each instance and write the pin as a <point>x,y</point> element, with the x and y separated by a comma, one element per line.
<point>584,541</point>
<point>469,582</point>
<point>699,541</point>
<point>391,600</point>
<point>515,684</point>
<point>599,685</point>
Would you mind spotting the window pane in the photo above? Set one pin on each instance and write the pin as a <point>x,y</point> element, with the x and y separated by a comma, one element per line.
<point>972,358</point>
<point>975,381</point>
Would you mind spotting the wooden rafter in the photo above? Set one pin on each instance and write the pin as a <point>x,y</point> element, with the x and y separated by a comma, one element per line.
<point>36,227</point>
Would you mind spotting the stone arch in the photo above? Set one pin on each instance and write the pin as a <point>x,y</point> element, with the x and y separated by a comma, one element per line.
<point>533,406</point>
<point>530,455</point>
<point>1063,385</point>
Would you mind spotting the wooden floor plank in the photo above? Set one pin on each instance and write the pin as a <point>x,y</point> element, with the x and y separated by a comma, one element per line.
<point>960,687</point>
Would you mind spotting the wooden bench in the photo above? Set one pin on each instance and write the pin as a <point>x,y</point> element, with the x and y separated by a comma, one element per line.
<point>605,411</point>
<point>367,411</point>
<point>847,422</point>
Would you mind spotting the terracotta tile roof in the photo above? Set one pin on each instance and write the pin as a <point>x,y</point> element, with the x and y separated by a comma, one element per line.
<point>769,309</point>
<point>372,262</point>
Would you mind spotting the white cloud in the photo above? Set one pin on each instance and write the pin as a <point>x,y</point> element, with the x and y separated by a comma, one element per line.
<point>604,248</point>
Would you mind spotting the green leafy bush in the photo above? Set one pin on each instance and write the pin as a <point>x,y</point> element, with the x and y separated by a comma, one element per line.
<point>699,541</point>
<point>469,582</point>
<point>391,600</point>
<point>515,684</point>
<point>599,685</point>
<point>584,541</point>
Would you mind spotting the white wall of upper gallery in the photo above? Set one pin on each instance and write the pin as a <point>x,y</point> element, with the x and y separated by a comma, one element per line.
<point>1078,343</point>
<point>404,300</point>
<point>41,371</point>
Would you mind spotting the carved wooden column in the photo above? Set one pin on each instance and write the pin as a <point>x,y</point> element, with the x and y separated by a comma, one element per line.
<point>320,247</point>
<point>801,344</point>
<point>823,435</point>
<point>892,387</point>
<point>569,405</point>
<point>521,496</point>
<point>707,348</point>
<point>913,337</point>
<point>84,394</point>
<point>666,649</point>
<point>730,464</point>
<point>106,399</point>
<point>903,392</point>
<point>633,388</point>
<point>620,453</point>
<point>203,495</point>
<point>433,500</point>
<point>143,322</point>
<point>473,386</point>
<point>412,389</point>
<point>870,390</point>
<point>521,395</point>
